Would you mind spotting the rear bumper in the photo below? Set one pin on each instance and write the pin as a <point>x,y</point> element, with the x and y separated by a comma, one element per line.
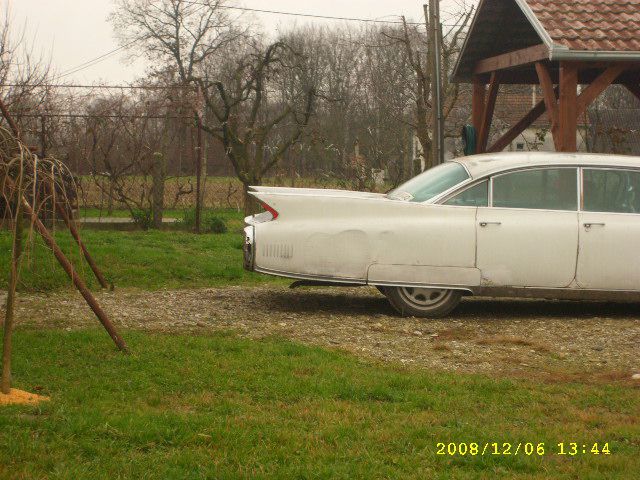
<point>249,248</point>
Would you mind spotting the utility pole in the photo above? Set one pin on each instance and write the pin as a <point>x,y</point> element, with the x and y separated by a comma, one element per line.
<point>199,160</point>
<point>434,29</point>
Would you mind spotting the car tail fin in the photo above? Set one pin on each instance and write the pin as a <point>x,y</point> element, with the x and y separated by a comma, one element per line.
<point>274,213</point>
<point>268,202</point>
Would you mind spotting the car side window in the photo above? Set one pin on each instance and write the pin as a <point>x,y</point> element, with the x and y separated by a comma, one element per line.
<point>476,196</point>
<point>541,189</point>
<point>611,190</point>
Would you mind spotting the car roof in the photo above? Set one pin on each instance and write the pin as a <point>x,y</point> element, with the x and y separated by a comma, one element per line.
<point>491,163</point>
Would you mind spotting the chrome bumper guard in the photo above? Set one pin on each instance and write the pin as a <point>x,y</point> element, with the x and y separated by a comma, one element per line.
<point>249,248</point>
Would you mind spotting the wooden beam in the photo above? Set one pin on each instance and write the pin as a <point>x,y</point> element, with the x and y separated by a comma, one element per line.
<point>533,114</point>
<point>568,112</point>
<point>512,59</point>
<point>478,102</point>
<point>550,99</point>
<point>598,86</point>
<point>487,116</point>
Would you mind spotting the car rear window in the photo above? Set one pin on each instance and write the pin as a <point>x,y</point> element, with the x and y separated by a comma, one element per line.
<point>616,191</point>
<point>431,183</point>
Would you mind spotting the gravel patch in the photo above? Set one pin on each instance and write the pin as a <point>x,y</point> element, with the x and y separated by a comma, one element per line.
<point>556,340</point>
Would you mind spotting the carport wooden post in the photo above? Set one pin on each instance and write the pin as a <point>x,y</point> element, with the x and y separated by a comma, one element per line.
<point>568,107</point>
<point>477,102</point>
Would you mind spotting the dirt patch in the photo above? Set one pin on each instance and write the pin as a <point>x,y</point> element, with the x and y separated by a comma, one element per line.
<point>20,397</point>
<point>552,339</point>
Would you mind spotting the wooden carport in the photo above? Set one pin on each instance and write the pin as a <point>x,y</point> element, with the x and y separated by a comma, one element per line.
<point>557,44</point>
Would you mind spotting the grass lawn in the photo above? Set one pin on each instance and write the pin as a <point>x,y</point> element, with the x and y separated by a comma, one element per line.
<point>148,260</point>
<point>222,407</point>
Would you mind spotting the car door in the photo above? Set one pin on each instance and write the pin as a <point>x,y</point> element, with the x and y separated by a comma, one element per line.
<point>431,244</point>
<point>528,236</point>
<point>609,257</point>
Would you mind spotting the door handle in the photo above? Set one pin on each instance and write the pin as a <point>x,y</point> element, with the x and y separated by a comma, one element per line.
<point>589,225</point>
<point>485,224</point>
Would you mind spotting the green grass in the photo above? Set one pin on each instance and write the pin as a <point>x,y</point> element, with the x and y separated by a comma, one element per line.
<point>148,260</point>
<point>221,407</point>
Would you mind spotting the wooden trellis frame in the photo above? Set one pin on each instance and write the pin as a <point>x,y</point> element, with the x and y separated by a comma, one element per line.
<point>25,207</point>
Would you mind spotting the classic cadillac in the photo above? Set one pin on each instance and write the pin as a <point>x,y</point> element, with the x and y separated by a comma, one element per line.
<point>540,225</point>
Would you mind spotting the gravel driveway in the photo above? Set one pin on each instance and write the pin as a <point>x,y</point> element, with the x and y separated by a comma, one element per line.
<point>553,340</point>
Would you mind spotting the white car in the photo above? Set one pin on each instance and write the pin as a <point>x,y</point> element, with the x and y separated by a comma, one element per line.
<point>541,225</point>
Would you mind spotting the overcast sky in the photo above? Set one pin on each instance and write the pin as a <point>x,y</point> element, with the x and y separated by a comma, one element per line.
<point>73,32</point>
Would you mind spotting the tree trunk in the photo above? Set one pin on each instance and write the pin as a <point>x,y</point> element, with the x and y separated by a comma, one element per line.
<point>159,178</point>
<point>5,386</point>
<point>110,199</point>
<point>251,205</point>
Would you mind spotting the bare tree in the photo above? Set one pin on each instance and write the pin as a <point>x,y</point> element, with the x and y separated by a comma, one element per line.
<point>183,33</point>
<point>246,120</point>
<point>23,73</point>
<point>415,46</point>
<point>129,136</point>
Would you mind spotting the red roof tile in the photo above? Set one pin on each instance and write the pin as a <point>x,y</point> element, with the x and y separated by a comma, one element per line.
<point>600,25</point>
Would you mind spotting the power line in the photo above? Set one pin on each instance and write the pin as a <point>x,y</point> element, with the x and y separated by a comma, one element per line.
<point>86,115</point>
<point>104,56</point>
<point>113,87</point>
<point>94,61</point>
<point>329,17</point>
<point>321,17</point>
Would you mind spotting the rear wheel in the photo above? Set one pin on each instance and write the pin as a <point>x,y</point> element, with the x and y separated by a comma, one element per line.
<point>423,302</point>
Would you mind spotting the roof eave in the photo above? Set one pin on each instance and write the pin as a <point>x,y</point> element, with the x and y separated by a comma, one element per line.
<point>560,52</point>
<point>535,23</point>
<point>455,76</point>
<point>533,19</point>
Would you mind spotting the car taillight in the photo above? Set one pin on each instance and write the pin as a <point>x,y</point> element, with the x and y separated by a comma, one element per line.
<point>269,209</point>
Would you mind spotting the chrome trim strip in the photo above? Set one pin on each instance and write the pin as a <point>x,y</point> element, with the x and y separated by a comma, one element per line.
<point>423,285</point>
<point>299,276</point>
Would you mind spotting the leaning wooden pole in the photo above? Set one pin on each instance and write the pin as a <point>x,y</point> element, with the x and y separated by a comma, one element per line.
<point>60,208</point>
<point>74,233</point>
<point>73,275</point>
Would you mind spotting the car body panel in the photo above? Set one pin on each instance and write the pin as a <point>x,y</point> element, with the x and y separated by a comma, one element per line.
<point>319,236</point>
<point>343,237</point>
<point>423,275</point>
<point>609,251</point>
<point>527,248</point>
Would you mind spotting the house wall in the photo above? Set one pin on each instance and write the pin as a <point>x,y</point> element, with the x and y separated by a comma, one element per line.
<point>529,141</point>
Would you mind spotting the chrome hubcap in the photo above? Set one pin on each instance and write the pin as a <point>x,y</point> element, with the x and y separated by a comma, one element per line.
<point>423,297</point>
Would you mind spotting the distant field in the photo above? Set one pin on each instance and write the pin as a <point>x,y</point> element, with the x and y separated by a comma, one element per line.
<point>215,406</point>
<point>219,192</point>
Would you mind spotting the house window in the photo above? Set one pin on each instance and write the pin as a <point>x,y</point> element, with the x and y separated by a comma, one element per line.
<point>520,147</point>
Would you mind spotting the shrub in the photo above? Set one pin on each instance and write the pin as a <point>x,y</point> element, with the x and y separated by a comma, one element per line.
<point>142,218</point>
<point>209,222</point>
